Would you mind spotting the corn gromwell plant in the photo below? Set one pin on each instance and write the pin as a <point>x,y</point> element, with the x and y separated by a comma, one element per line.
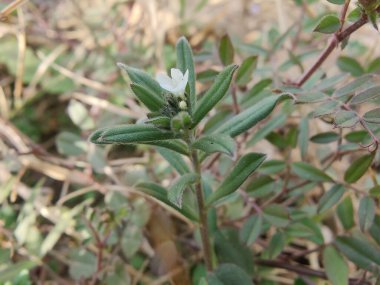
<point>176,112</point>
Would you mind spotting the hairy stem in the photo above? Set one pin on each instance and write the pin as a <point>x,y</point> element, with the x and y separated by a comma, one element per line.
<point>203,223</point>
<point>334,41</point>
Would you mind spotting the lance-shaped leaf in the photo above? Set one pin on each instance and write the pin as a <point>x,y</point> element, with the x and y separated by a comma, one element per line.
<point>372,116</point>
<point>10,270</point>
<point>358,168</point>
<point>353,86</point>
<point>309,172</point>
<point>150,99</point>
<point>229,274</point>
<point>216,92</point>
<point>244,167</point>
<point>251,229</point>
<point>175,160</point>
<point>185,62</point>
<point>324,138</point>
<point>175,192</point>
<point>360,252</point>
<point>176,145</point>
<point>330,198</point>
<point>367,211</point>
<point>351,65</point>
<point>158,192</point>
<point>216,143</point>
<point>226,50</point>
<point>141,78</point>
<point>346,119</point>
<point>245,71</point>
<point>336,267</point>
<point>345,211</point>
<point>277,215</point>
<point>125,134</point>
<point>251,116</point>
<point>375,230</point>
<point>367,95</point>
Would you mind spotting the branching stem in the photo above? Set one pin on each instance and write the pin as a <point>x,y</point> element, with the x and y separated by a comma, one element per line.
<point>336,38</point>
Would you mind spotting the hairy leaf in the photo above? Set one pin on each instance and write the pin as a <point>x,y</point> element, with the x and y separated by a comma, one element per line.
<point>244,167</point>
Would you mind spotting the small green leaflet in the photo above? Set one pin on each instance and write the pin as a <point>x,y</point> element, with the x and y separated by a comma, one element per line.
<point>175,192</point>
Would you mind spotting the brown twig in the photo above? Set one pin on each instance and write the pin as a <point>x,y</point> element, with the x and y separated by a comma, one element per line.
<point>302,270</point>
<point>336,38</point>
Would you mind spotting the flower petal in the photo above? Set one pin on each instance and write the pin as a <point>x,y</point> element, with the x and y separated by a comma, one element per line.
<point>165,81</point>
<point>176,74</point>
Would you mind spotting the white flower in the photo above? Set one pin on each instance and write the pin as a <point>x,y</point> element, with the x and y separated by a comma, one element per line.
<point>175,85</point>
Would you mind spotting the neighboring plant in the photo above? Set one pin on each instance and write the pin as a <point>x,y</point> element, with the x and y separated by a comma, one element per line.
<point>195,140</point>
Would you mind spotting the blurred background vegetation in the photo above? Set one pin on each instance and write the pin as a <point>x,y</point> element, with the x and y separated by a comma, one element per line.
<point>65,201</point>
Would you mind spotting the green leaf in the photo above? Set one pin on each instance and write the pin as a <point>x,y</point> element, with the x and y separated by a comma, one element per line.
<point>350,65</point>
<point>356,136</point>
<point>373,192</point>
<point>337,2</point>
<point>153,101</point>
<point>230,274</point>
<point>328,24</point>
<point>345,211</point>
<point>372,116</point>
<point>215,143</point>
<point>175,192</point>
<point>354,15</point>
<point>267,128</point>
<point>175,160</point>
<point>159,193</point>
<point>330,198</point>
<point>176,145</point>
<point>256,89</point>
<point>311,97</point>
<point>125,134</point>
<point>244,167</point>
<point>70,144</point>
<point>335,266</point>
<point>82,264</point>
<point>226,50</point>
<point>216,92</point>
<point>366,95</point>
<point>261,186</point>
<point>277,215</point>
<point>141,78</point>
<point>323,138</point>
<point>272,166</point>
<point>309,172</point>
<point>303,136</point>
<point>374,230</point>
<point>367,211</point>
<point>358,168</point>
<point>10,271</point>
<point>374,66</point>
<point>185,61</point>
<point>251,116</point>
<point>229,249</point>
<point>360,252</point>
<point>251,229</point>
<point>79,115</point>
<point>353,86</point>
<point>245,71</point>
<point>275,246</point>
<point>159,122</point>
<point>346,119</point>
<point>326,108</point>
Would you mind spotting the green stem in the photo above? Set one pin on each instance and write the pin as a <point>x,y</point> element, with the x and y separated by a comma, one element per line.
<point>203,223</point>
